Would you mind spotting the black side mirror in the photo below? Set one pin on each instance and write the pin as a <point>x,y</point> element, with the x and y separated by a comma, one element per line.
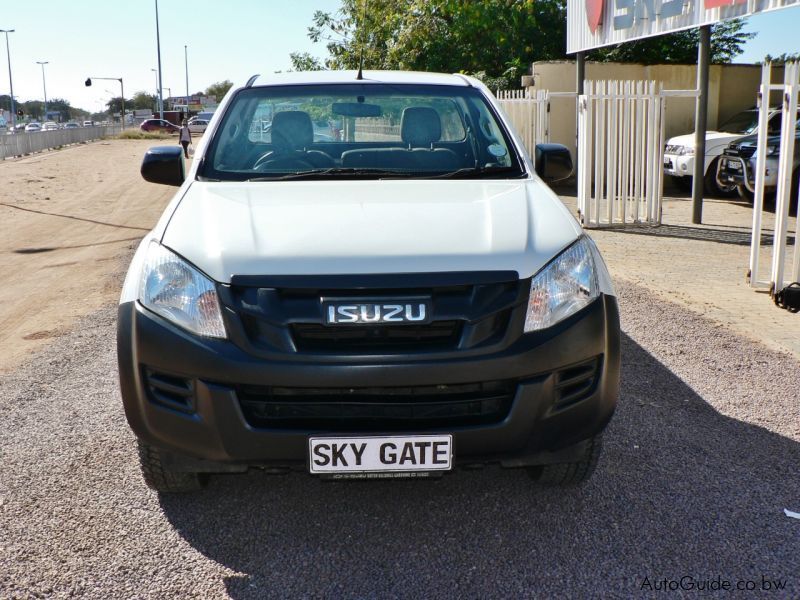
<point>553,162</point>
<point>164,164</point>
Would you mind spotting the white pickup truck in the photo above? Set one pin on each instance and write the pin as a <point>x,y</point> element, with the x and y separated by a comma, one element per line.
<point>395,297</point>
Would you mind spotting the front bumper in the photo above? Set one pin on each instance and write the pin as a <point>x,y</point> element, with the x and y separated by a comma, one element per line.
<point>679,165</point>
<point>212,426</point>
<point>742,171</point>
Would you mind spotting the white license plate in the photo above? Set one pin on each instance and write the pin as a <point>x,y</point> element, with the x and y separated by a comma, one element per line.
<point>380,454</point>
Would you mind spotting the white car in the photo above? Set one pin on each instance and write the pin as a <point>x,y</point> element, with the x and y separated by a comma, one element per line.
<point>50,126</point>
<point>398,301</point>
<point>679,150</point>
<point>197,125</point>
<point>33,126</point>
<point>88,123</point>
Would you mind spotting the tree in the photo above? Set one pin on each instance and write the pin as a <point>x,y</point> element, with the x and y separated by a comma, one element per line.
<point>303,61</point>
<point>115,105</point>
<point>494,39</point>
<point>727,41</point>
<point>781,59</point>
<point>143,100</point>
<point>219,89</point>
<point>62,106</point>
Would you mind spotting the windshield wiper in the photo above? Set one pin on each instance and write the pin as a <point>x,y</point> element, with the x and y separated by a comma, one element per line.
<point>476,173</point>
<point>335,171</point>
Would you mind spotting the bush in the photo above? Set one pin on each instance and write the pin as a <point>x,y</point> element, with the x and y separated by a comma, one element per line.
<point>138,134</point>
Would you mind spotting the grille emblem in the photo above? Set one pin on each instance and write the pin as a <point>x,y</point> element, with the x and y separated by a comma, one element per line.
<point>367,313</point>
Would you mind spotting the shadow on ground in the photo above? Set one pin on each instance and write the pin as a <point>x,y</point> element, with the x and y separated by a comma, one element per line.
<point>681,491</point>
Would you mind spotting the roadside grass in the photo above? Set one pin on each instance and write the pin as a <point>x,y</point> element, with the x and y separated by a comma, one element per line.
<point>138,134</point>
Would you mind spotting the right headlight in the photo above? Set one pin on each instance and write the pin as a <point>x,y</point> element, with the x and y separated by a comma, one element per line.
<point>563,287</point>
<point>177,291</point>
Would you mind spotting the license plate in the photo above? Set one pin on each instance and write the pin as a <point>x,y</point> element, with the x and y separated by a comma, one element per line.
<point>733,165</point>
<point>380,454</point>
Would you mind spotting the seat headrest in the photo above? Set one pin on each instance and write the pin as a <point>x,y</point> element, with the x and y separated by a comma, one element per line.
<point>420,126</point>
<point>292,130</point>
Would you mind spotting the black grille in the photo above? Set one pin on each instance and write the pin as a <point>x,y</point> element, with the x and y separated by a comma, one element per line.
<point>577,382</point>
<point>315,338</point>
<point>379,408</point>
<point>169,391</point>
<point>291,320</point>
<point>741,151</point>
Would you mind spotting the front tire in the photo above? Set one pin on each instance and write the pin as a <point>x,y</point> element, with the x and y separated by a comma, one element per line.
<point>573,473</point>
<point>165,480</point>
<point>712,186</point>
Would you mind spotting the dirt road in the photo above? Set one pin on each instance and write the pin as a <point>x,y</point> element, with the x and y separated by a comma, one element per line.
<point>66,217</point>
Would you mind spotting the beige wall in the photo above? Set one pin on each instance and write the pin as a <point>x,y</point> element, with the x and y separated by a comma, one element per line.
<point>732,88</point>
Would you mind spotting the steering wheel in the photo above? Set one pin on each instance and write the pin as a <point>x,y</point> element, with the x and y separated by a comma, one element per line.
<point>293,163</point>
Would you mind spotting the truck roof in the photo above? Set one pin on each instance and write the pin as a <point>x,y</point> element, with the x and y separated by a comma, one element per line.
<point>302,77</point>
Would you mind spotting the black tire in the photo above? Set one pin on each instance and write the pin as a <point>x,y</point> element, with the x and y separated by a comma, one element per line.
<point>164,480</point>
<point>712,187</point>
<point>574,473</point>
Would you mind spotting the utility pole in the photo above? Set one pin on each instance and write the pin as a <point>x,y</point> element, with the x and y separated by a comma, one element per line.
<point>44,87</point>
<point>158,46</point>
<point>10,81</point>
<point>700,122</point>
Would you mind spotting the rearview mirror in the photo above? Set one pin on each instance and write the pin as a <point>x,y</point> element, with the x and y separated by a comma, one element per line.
<point>356,109</point>
<point>553,162</point>
<point>164,164</point>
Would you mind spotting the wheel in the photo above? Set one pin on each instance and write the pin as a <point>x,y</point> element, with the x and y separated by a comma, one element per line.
<point>712,186</point>
<point>684,184</point>
<point>574,473</point>
<point>164,480</point>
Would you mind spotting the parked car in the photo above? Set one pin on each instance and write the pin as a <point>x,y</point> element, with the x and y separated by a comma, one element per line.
<point>159,125</point>
<point>33,126</point>
<point>71,125</point>
<point>679,150</point>
<point>737,166</point>
<point>197,125</point>
<point>88,123</point>
<point>50,126</point>
<point>366,308</point>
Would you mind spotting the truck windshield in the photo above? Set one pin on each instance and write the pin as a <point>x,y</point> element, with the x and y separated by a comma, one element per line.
<point>360,130</point>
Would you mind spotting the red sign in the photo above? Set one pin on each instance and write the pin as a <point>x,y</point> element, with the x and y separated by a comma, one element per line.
<point>594,13</point>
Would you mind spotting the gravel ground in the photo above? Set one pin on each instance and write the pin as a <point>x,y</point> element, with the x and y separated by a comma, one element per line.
<point>700,461</point>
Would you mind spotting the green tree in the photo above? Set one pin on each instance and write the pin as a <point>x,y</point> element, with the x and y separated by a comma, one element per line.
<point>727,42</point>
<point>60,105</point>
<point>143,100</point>
<point>115,105</point>
<point>219,89</point>
<point>775,60</point>
<point>303,61</point>
<point>496,40</point>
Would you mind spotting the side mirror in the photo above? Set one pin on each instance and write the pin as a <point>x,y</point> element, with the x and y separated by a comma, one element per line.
<point>553,162</point>
<point>164,164</point>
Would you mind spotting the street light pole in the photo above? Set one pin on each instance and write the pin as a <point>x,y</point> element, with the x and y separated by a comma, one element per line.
<point>186,60</point>
<point>158,46</point>
<point>157,104</point>
<point>10,81</point>
<point>44,86</point>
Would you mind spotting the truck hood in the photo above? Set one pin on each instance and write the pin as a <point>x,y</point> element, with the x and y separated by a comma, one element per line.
<point>359,227</point>
<point>714,139</point>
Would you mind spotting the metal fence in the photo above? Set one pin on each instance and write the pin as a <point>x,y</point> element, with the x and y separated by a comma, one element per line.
<point>19,144</point>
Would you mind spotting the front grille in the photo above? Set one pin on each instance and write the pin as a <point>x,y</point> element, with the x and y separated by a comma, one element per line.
<point>311,337</point>
<point>291,320</point>
<point>377,408</point>
<point>741,151</point>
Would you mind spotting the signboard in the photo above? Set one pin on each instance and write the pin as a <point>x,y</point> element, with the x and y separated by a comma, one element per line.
<point>597,23</point>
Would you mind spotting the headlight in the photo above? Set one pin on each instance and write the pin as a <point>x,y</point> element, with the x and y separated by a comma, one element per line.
<point>562,288</point>
<point>174,289</point>
<point>773,150</point>
<point>686,151</point>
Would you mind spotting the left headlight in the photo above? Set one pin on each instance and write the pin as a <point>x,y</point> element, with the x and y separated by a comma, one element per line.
<point>563,287</point>
<point>177,291</point>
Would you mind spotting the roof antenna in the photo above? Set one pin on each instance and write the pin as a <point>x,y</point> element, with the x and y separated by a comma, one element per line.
<point>361,57</point>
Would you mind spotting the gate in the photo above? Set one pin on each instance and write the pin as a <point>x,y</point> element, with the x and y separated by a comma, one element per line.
<point>787,180</point>
<point>530,115</point>
<point>620,152</point>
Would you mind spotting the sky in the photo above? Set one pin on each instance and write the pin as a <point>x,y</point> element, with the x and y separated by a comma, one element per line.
<point>232,40</point>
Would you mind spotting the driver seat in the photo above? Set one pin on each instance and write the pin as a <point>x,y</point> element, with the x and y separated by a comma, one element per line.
<point>292,134</point>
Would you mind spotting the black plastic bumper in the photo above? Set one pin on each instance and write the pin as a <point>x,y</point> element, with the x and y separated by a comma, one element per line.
<point>215,428</point>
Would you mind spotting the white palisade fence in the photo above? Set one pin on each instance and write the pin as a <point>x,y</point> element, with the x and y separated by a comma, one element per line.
<point>530,115</point>
<point>21,143</point>
<point>620,153</point>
